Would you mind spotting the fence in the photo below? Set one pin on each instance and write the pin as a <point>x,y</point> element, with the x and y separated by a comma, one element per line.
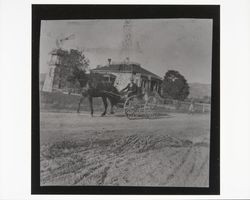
<point>184,106</point>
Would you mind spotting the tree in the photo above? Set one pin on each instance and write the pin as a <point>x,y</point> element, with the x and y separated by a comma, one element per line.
<point>73,59</point>
<point>175,86</point>
<point>72,64</point>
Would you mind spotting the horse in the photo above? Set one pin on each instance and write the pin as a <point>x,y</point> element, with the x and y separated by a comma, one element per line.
<point>95,85</point>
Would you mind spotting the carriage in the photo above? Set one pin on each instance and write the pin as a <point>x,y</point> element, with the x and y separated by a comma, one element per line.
<point>140,106</point>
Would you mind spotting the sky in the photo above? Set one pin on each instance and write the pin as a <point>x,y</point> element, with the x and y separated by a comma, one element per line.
<point>159,45</point>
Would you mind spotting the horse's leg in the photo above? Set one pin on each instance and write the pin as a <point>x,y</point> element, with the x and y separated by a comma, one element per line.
<point>112,109</point>
<point>104,99</point>
<point>91,105</point>
<point>111,106</point>
<point>79,104</point>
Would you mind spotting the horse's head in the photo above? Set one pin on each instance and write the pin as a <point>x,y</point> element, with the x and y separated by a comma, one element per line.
<point>81,77</point>
<point>91,80</point>
<point>83,81</point>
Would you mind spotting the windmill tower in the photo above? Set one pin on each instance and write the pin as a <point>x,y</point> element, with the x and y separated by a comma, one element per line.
<point>127,41</point>
<point>54,62</point>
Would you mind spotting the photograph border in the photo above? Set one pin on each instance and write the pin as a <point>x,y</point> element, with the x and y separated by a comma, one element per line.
<point>81,12</point>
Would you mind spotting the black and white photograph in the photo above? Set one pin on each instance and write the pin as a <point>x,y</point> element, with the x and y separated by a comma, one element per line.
<point>125,102</point>
<point>124,99</point>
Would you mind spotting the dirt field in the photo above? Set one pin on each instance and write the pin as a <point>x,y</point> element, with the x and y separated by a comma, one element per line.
<point>79,150</point>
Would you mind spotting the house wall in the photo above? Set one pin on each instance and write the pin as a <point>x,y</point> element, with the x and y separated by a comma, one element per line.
<point>48,83</point>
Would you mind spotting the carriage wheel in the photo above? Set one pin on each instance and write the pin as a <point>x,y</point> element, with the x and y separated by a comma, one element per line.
<point>131,107</point>
<point>150,107</point>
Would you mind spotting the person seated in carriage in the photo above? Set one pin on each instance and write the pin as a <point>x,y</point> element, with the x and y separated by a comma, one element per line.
<point>131,89</point>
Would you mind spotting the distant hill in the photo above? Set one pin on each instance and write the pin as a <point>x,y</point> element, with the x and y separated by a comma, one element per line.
<point>199,90</point>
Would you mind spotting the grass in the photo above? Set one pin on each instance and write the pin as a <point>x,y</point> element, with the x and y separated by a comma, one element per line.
<point>58,101</point>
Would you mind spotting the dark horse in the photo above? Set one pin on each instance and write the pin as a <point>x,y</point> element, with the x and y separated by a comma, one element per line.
<point>96,85</point>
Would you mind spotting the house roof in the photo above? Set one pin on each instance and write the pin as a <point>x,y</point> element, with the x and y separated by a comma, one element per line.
<point>123,67</point>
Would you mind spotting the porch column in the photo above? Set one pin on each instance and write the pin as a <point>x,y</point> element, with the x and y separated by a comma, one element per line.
<point>149,83</point>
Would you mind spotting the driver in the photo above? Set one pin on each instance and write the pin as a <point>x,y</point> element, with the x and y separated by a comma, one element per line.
<point>131,88</point>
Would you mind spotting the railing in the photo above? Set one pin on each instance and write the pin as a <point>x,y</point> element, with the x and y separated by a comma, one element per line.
<point>185,106</point>
<point>180,106</point>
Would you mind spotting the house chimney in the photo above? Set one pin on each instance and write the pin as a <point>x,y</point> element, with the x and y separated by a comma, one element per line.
<point>109,60</point>
<point>127,60</point>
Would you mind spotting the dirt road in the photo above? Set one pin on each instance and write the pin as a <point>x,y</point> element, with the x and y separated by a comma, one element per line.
<point>79,150</point>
